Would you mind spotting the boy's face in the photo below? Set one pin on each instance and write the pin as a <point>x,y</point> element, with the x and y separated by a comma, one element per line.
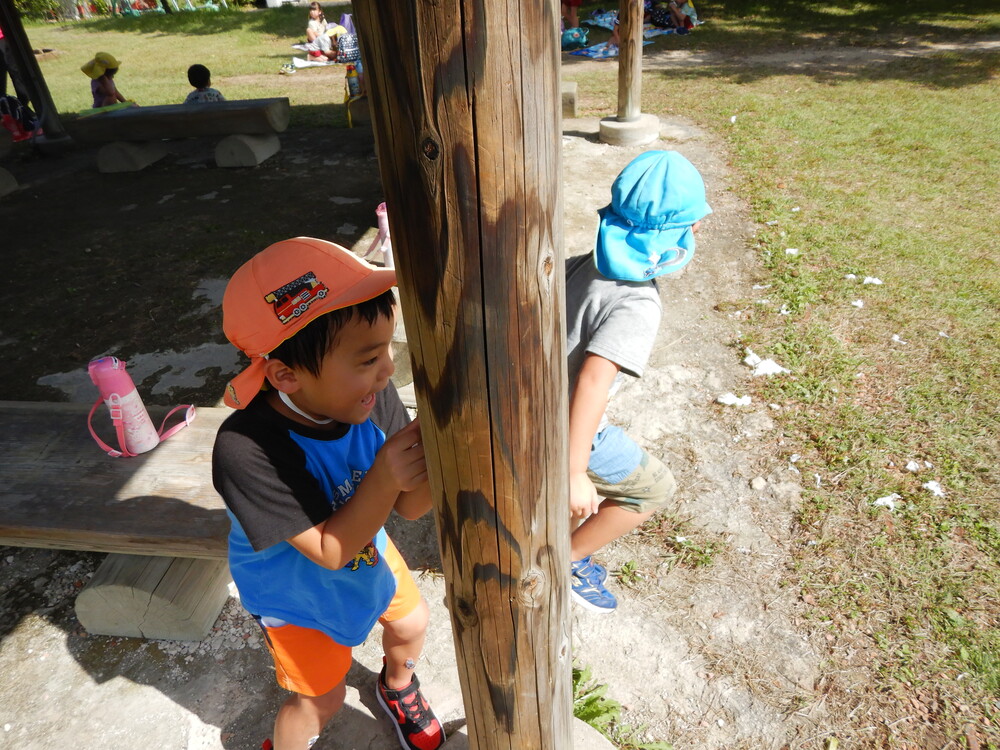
<point>357,368</point>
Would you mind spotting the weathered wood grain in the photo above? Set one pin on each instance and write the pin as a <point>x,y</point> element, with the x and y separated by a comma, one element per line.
<point>240,116</point>
<point>466,112</point>
<point>58,489</point>
<point>630,14</point>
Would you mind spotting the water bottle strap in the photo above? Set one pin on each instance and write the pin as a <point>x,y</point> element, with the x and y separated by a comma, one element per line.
<point>116,419</point>
<point>189,416</point>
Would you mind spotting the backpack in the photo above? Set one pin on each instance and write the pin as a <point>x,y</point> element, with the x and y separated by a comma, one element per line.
<point>574,38</point>
<point>17,118</point>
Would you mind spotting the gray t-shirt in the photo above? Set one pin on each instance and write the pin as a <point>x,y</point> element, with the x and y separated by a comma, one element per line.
<point>617,320</point>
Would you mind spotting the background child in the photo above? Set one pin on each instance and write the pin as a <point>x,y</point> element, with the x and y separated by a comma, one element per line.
<point>102,70</point>
<point>612,315</point>
<point>310,469</point>
<point>201,78</point>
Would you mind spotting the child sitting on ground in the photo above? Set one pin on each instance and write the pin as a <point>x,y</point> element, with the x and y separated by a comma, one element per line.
<point>330,42</point>
<point>201,78</point>
<point>310,469</point>
<point>102,70</point>
<point>612,315</point>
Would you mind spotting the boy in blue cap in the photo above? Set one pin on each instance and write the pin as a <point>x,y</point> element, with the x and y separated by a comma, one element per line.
<point>612,315</point>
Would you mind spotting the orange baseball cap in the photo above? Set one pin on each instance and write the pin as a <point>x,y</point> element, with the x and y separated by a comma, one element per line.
<point>284,287</point>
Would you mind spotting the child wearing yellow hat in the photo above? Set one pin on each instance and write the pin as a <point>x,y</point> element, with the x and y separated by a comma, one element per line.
<point>101,70</point>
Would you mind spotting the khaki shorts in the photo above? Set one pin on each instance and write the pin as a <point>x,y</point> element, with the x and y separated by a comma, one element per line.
<point>309,661</point>
<point>649,487</point>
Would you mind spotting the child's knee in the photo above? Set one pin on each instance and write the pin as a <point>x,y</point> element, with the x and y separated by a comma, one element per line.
<point>412,625</point>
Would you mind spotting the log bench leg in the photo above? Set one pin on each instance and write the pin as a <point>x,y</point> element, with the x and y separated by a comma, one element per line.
<point>246,150</point>
<point>8,184</point>
<point>122,156</point>
<point>154,597</point>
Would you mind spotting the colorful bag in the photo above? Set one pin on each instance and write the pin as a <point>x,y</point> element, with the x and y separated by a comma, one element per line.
<point>574,38</point>
<point>348,50</point>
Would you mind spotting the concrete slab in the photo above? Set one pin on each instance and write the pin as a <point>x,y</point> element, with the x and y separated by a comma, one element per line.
<point>638,132</point>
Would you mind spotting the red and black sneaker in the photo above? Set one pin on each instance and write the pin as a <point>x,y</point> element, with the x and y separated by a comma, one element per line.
<point>417,726</point>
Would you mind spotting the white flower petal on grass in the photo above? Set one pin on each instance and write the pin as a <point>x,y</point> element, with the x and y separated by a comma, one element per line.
<point>732,119</point>
<point>872,280</point>
<point>761,286</point>
<point>784,310</point>
<point>898,340</point>
<point>850,276</point>
<point>858,303</point>
<point>796,209</point>
<point>769,367</point>
<point>934,488</point>
<point>819,482</point>
<point>912,466</point>
<point>791,251</point>
<point>889,501</point>
<point>943,335</point>
<point>731,399</point>
<point>762,366</point>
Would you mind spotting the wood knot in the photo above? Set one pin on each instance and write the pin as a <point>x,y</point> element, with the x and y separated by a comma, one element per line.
<point>532,588</point>
<point>430,148</point>
<point>466,613</point>
<point>547,265</point>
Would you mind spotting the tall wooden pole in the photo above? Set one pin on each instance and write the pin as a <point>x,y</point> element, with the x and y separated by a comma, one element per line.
<point>630,13</point>
<point>465,104</point>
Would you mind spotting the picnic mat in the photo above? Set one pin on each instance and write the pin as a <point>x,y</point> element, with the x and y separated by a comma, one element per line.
<point>601,51</point>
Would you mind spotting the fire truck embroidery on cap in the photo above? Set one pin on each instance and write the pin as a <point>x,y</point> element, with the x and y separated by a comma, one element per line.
<point>294,298</point>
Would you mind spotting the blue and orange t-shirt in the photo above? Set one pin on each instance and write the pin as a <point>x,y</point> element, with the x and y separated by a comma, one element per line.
<point>279,478</point>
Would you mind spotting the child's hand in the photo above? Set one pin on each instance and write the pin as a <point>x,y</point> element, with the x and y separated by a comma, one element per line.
<point>401,459</point>
<point>583,498</point>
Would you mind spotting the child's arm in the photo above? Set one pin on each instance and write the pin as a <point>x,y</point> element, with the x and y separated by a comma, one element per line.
<point>398,467</point>
<point>590,399</point>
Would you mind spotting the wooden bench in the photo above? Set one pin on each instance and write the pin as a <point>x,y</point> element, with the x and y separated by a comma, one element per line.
<point>134,135</point>
<point>157,513</point>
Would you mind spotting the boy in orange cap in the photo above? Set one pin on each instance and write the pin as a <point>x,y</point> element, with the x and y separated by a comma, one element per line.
<point>310,467</point>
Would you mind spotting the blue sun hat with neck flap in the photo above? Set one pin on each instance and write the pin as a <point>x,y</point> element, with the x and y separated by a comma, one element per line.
<point>647,230</point>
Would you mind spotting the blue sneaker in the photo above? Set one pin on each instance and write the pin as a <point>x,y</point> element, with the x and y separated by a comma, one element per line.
<point>589,569</point>
<point>589,592</point>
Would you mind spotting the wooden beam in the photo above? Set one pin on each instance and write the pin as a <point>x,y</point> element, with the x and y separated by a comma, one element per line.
<point>465,106</point>
<point>630,14</point>
<point>41,99</point>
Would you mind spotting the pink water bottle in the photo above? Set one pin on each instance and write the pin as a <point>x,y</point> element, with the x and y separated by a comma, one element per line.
<point>125,404</point>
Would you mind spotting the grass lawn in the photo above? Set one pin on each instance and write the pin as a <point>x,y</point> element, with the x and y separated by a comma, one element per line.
<point>244,49</point>
<point>884,171</point>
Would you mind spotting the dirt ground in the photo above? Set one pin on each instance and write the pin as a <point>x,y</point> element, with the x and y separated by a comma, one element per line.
<point>709,648</point>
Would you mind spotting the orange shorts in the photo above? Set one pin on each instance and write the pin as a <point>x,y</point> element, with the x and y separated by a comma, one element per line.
<point>309,661</point>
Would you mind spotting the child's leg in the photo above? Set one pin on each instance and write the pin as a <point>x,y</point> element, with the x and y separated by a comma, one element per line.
<point>314,667</point>
<point>634,483</point>
<point>404,623</point>
<point>301,719</point>
<point>403,642</point>
<point>607,525</point>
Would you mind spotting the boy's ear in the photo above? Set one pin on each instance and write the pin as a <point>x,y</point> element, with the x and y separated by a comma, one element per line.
<point>281,376</point>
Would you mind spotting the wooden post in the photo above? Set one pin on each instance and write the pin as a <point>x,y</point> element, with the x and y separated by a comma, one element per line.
<point>41,99</point>
<point>465,107</point>
<point>630,14</point>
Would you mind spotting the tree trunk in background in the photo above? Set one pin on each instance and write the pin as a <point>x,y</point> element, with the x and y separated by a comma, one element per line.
<point>465,103</point>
